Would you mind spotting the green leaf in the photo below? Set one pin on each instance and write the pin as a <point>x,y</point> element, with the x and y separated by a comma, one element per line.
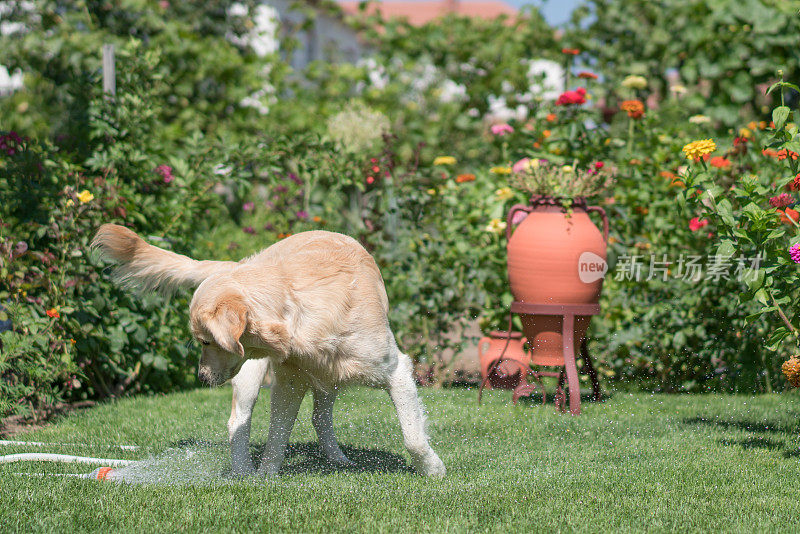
<point>779,116</point>
<point>726,248</point>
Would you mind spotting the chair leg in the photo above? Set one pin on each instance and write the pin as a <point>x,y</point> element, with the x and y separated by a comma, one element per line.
<point>568,335</point>
<point>589,369</point>
<point>560,398</point>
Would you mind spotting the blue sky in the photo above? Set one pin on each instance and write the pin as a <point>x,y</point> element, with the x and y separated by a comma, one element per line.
<point>554,11</point>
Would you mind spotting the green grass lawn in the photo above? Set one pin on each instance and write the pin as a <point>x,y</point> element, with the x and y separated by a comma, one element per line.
<point>635,462</point>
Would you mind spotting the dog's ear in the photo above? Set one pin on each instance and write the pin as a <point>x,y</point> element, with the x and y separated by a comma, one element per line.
<point>227,322</point>
<point>272,335</point>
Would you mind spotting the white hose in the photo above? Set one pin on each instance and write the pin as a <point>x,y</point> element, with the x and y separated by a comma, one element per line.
<point>11,443</point>
<point>64,458</point>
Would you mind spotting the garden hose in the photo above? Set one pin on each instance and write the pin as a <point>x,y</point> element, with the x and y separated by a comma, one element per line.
<point>101,473</point>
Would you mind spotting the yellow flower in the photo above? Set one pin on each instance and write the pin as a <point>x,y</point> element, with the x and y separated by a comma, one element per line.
<point>445,160</point>
<point>555,150</point>
<point>634,82</point>
<point>567,169</point>
<point>699,119</point>
<point>746,133</point>
<point>496,226</point>
<point>698,149</point>
<point>504,193</point>
<point>70,202</point>
<point>85,196</point>
<point>431,191</point>
<point>500,170</point>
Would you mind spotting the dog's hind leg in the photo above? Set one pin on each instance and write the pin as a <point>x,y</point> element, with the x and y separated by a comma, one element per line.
<point>412,418</point>
<point>322,420</point>
<point>246,385</point>
<point>285,398</point>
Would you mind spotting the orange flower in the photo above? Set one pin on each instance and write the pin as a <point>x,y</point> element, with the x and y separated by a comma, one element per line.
<point>570,51</point>
<point>52,312</point>
<point>316,218</point>
<point>642,210</point>
<point>537,144</point>
<point>462,178</point>
<point>762,125</point>
<point>587,75</point>
<point>667,174</point>
<point>546,133</point>
<point>720,162</point>
<point>283,236</point>
<point>635,108</point>
<point>551,117</point>
<point>787,214</point>
<point>783,154</point>
<point>770,153</point>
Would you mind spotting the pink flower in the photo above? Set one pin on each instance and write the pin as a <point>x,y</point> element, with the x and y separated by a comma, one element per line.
<point>249,230</point>
<point>521,165</point>
<point>794,252</point>
<point>302,214</point>
<point>577,97</point>
<point>781,201</point>
<point>370,180</point>
<point>248,206</point>
<point>165,171</point>
<point>599,165</point>
<point>518,217</point>
<point>696,223</point>
<point>502,129</point>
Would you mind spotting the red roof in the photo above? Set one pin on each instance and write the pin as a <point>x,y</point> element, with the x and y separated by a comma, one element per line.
<point>422,12</point>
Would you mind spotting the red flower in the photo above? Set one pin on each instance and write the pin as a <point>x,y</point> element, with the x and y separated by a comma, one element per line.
<point>740,141</point>
<point>788,213</point>
<point>720,162</point>
<point>781,201</point>
<point>570,51</point>
<point>696,223</point>
<point>599,165</point>
<point>52,312</point>
<point>577,97</point>
<point>794,185</point>
<point>634,108</point>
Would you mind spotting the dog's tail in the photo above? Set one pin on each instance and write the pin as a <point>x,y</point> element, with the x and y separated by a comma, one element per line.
<point>148,267</point>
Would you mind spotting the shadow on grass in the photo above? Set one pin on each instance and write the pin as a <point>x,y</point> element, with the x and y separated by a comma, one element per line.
<point>761,427</point>
<point>586,397</point>
<point>307,457</point>
<point>777,430</point>
<point>314,461</point>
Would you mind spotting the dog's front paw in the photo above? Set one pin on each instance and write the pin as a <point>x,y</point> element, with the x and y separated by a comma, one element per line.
<point>243,469</point>
<point>430,466</point>
<point>340,460</point>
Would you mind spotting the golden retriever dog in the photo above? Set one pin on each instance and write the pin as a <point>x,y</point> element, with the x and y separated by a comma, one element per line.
<point>313,306</point>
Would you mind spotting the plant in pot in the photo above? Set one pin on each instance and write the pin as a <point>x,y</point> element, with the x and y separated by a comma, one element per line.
<point>556,254</point>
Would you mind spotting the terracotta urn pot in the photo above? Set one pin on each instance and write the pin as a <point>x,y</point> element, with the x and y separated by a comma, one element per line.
<point>555,256</point>
<point>513,368</point>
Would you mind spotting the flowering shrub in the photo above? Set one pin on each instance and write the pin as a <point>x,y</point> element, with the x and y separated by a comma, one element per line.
<point>752,215</point>
<point>70,333</point>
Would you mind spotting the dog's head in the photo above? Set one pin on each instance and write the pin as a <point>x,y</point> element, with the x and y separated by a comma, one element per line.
<point>218,315</point>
